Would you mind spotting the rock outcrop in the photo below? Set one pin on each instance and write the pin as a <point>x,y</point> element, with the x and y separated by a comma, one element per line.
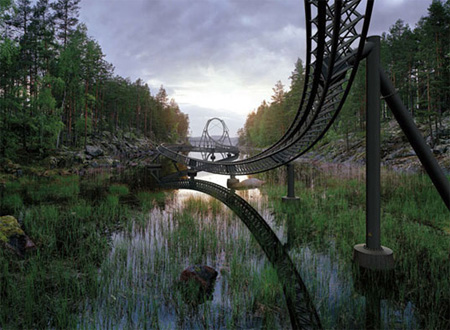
<point>104,150</point>
<point>13,237</point>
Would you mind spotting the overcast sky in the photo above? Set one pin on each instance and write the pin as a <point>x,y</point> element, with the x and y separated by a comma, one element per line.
<point>216,58</point>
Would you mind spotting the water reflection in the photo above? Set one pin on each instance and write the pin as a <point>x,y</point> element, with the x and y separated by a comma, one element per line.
<point>221,180</point>
<point>137,278</point>
<point>301,309</point>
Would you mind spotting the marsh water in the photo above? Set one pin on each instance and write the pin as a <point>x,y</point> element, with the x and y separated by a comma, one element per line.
<point>140,278</point>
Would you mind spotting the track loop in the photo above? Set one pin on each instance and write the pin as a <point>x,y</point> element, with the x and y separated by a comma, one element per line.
<point>336,34</point>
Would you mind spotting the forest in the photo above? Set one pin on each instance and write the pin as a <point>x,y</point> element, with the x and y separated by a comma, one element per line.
<point>416,59</point>
<point>56,88</point>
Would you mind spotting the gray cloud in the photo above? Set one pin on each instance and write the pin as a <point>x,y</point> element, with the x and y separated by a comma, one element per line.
<point>214,56</point>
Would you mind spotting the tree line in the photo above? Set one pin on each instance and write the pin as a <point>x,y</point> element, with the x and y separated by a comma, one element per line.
<point>266,124</point>
<point>416,59</point>
<point>56,88</point>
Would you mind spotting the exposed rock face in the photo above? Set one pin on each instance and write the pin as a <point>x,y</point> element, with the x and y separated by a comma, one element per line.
<point>197,283</point>
<point>94,151</point>
<point>104,150</point>
<point>13,237</point>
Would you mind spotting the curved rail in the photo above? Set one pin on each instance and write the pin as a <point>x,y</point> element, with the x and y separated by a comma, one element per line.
<point>331,64</point>
<point>301,308</point>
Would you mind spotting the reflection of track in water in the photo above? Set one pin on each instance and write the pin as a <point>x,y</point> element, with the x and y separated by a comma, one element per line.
<point>332,32</point>
<point>301,308</point>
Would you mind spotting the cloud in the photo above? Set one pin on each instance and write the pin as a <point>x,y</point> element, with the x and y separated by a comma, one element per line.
<point>220,55</point>
<point>386,13</point>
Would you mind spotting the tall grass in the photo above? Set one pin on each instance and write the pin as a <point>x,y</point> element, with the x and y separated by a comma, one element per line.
<point>47,287</point>
<point>143,269</point>
<point>103,264</point>
<point>414,223</point>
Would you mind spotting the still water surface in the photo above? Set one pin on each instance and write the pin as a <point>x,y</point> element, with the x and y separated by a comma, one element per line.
<point>139,279</point>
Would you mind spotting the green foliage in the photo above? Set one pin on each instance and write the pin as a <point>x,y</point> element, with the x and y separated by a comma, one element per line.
<point>56,88</point>
<point>266,287</point>
<point>11,204</point>
<point>119,190</point>
<point>71,244</point>
<point>418,63</point>
<point>414,224</point>
<point>270,121</point>
<point>65,188</point>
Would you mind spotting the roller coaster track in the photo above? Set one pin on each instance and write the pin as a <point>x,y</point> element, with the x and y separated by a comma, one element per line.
<point>217,148</point>
<point>336,35</point>
<point>301,309</point>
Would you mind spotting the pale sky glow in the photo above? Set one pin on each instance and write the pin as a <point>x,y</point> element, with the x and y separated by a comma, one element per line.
<point>216,58</point>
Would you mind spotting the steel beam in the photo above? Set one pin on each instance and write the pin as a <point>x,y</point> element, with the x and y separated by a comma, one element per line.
<point>415,138</point>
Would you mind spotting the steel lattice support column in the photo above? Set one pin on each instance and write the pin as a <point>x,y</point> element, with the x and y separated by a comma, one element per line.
<point>372,255</point>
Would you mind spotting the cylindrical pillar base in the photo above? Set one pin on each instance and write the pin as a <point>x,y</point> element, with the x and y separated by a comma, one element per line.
<point>290,200</point>
<point>232,181</point>
<point>380,259</point>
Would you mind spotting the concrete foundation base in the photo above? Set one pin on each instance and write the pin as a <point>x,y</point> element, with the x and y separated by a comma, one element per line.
<point>290,200</point>
<point>231,182</point>
<point>373,259</point>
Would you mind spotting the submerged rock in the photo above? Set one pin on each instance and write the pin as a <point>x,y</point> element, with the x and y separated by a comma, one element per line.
<point>247,184</point>
<point>197,283</point>
<point>13,237</point>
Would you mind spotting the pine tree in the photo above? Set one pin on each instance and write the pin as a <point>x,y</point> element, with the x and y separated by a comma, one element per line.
<point>66,18</point>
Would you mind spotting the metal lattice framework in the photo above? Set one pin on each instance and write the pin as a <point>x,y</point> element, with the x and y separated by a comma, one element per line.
<point>216,136</point>
<point>301,309</point>
<point>336,34</point>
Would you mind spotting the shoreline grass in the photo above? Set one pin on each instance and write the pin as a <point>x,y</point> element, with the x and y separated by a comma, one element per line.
<point>115,264</point>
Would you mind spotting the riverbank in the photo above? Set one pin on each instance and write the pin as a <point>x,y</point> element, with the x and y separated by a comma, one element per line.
<point>104,150</point>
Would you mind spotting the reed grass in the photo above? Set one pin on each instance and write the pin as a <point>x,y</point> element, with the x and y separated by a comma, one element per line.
<point>414,223</point>
<point>101,263</point>
<point>119,190</point>
<point>47,287</point>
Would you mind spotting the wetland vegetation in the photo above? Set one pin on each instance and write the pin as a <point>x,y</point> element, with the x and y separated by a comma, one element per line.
<point>110,253</point>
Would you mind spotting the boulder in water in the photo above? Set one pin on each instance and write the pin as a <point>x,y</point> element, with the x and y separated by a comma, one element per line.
<point>197,283</point>
<point>251,183</point>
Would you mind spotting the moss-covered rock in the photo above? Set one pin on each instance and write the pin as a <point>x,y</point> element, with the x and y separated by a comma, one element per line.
<point>9,226</point>
<point>13,237</point>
